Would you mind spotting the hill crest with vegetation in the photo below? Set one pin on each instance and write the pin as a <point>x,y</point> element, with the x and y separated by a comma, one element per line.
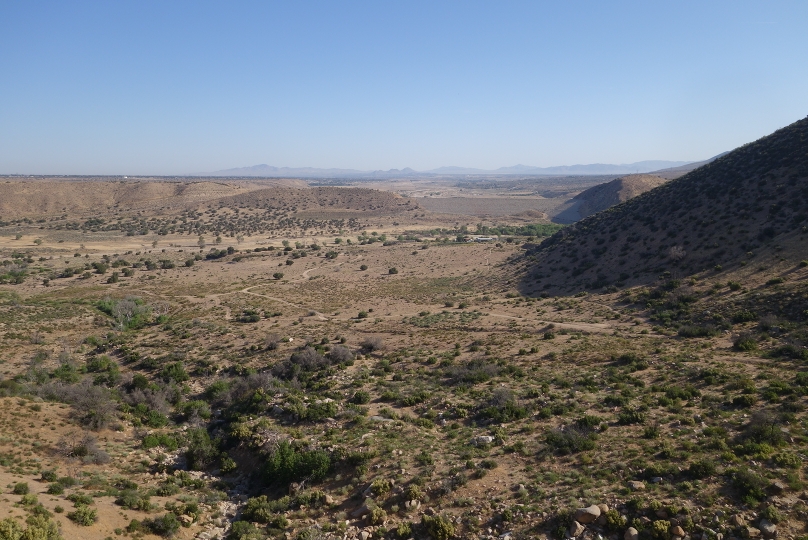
<point>715,217</point>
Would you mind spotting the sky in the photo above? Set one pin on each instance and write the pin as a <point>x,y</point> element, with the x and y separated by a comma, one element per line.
<point>166,88</point>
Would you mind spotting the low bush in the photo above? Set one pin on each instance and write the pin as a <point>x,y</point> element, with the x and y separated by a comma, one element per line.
<point>83,515</point>
<point>288,464</point>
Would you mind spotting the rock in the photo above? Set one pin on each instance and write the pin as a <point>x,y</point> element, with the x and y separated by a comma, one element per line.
<point>576,529</point>
<point>677,531</point>
<point>329,499</point>
<point>587,515</point>
<point>361,511</point>
<point>364,535</point>
<point>482,439</point>
<point>750,532</point>
<point>737,520</point>
<point>636,485</point>
<point>777,487</point>
<point>631,534</point>
<point>603,508</point>
<point>767,528</point>
<point>656,480</point>
<point>186,519</point>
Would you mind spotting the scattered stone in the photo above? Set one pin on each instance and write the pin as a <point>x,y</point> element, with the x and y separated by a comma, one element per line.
<point>482,439</point>
<point>361,511</point>
<point>364,535</point>
<point>587,515</point>
<point>631,534</point>
<point>576,529</point>
<point>636,485</point>
<point>737,520</point>
<point>767,528</point>
<point>750,532</point>
<point>778,487</point>
<point>656,480</point>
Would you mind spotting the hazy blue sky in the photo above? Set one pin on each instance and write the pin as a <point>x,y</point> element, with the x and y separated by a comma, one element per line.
<point>143,87</point>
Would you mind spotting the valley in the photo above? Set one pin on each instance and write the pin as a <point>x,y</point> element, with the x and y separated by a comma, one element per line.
<point>253,359</point>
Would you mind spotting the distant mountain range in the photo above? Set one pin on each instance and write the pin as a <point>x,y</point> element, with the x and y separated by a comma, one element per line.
<point>268,171</point>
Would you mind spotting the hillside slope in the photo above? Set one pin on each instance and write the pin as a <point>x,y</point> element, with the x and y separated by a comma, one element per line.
<point>716,217</point>
<point>676,172</point>
<point>49,198</point>
<point>599,198</point>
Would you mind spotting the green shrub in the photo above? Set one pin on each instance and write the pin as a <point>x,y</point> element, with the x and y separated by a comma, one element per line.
<point>134,500</point>
<point>80,499</point>
<point>288,464</point>
<point>659,529</point>
<point>20,488</point>
<point>202,451</point>
<point>630,416</point>
<point>772,514</point>
<point>377,516</point>
<point>166,525</point>
<point>745,342</point>
<point>749,485</point>
<point>262,510</point>
<point>439,527</point>
<point>615,522</point>
<point>404,530</point>
<point>160,439</point>
<point>693,331</point>
<point>744,401</point>
<point>174,372</point>
<point>788,461</point>
<point>360,397</point>
<point>83,515</point>
<point>703,468</point>
<point>570,440</point>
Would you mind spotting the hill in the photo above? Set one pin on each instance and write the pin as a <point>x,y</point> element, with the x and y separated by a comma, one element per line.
<point>603,196</point>
<point>716,217</point>
<point>675,172</point>
<point>50,198</point>
<point>269,171</point>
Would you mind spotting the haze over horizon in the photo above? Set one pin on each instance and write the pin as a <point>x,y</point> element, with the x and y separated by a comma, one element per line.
<point>173,89</point>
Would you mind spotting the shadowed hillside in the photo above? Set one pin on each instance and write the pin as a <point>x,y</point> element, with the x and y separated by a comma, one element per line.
<point>716,217</point>
<point>599,198</point>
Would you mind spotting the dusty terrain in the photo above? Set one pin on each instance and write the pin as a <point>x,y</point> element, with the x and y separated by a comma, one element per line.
<point>346,363</point>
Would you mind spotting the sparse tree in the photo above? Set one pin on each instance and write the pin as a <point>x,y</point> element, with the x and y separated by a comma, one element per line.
<point>676,253</point>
